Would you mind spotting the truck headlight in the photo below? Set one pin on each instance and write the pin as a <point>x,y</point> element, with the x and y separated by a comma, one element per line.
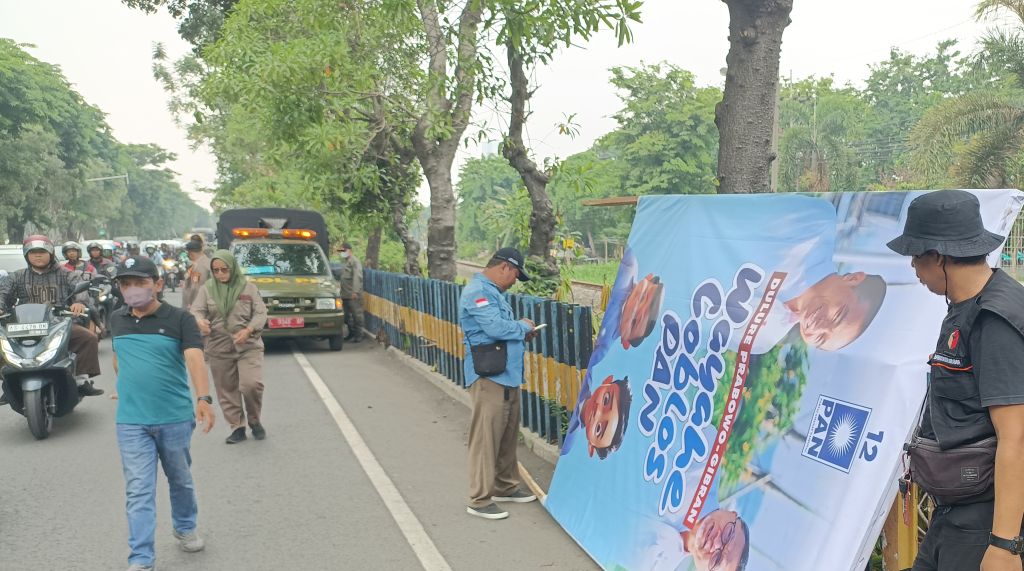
<point>325,303</point>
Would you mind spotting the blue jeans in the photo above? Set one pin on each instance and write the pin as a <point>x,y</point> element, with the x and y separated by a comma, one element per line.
<point>141,446</point>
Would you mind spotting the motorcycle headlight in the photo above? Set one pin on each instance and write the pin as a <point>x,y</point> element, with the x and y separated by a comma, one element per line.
<point>13,358</point>
<point>52,346</point>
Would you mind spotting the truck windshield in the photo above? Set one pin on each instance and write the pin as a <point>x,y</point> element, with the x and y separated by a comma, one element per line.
<point>276,259</point>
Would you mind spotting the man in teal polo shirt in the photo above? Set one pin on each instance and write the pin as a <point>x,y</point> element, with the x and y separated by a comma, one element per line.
<point>157,347</point>
<point>486,318</point>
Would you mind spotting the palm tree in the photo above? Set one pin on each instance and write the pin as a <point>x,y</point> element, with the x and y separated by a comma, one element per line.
<point>973,140</point>
<point>977,139</point>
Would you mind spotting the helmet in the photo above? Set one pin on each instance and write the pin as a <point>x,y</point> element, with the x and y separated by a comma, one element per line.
<point>70,246</point>
<point>36,242</point>
<point>94,245</point>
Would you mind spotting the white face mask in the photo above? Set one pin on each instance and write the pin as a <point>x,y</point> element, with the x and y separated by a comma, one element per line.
<point>345,254</point>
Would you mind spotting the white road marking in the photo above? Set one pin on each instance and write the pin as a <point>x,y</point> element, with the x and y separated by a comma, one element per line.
<point>411,528</point>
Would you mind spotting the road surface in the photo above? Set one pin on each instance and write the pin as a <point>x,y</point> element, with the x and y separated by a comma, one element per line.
<point>306,498</point>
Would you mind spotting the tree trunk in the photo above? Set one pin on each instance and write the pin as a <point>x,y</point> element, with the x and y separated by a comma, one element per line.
<point>412,247</point>
<point>372,258</point>
<point>746,114</point>
<point>15,231</point>
<point>435,152</point>
<point>542,216</point>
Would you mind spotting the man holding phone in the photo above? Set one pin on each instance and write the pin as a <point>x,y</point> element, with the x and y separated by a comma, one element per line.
<point>495,347</point>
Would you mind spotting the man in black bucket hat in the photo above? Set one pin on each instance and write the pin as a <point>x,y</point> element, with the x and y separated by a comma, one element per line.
<point>975,392</point>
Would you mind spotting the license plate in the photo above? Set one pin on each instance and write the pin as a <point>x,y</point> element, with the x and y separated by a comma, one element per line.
<point>27,329</point>
<point>286,322</point>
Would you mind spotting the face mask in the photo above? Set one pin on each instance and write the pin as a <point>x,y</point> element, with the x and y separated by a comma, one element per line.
<point>137,297</point>
<point>345,254</point>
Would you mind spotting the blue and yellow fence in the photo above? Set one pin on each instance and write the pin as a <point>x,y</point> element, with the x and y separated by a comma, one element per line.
<point>421,317</point>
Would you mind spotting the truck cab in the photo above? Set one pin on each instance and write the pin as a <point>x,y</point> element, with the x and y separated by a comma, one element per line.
<point>281,251</point>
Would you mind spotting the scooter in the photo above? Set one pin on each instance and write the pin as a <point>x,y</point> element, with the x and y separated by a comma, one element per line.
<point>38,375</point>
<point>171,273</point>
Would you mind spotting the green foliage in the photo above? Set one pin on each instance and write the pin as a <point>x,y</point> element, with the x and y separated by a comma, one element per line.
<point>768,405</point>
<point>52,141</point>
<point>599,273</point>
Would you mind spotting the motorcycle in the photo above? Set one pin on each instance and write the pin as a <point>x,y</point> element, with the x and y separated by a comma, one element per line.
<point>172,273</point>
<point>38,375</point>
<point>102,304</point>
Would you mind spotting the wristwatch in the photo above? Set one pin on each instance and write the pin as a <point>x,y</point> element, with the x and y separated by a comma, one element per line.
<point>1014,546</point>
<point>205,398</point>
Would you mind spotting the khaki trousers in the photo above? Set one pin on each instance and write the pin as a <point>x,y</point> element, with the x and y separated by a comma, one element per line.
<point>493,437</point>
<point>239,379</point>
<point>86,345</point>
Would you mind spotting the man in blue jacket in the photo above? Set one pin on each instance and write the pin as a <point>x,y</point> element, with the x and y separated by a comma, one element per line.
<point>486,318</point>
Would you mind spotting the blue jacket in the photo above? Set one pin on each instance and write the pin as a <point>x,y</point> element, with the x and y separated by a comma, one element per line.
<point>486,317</point>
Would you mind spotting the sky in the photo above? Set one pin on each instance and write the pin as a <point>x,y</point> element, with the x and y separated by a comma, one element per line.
<point>105,49</point>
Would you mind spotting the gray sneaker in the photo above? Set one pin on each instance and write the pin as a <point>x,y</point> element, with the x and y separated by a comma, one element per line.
<point>518,496</point>
<point>137,567</point>
<point>490,511</point>
<point>189,542</point>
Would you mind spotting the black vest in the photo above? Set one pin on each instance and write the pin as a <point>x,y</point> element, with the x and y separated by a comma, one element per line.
<point>954,403</point>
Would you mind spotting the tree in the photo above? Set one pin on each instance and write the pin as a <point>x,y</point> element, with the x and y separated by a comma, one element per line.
<point>531,35</point>
<point>444,112</point>
<point>977,138</point>
<point>199,21</point>
<point>311,95</point>
<point>746,114</point>
<point>666,132</point>
<point>823,131</point>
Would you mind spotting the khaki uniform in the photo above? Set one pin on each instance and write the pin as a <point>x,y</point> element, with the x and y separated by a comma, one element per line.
<point>195,279</point>
<point>237,369</point>
<point>352,295</point>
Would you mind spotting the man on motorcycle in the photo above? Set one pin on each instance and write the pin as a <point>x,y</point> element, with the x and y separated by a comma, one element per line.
<point>44,281</point>
<point>95,251</point>
<point>154,254</point>
<point>73,254</point>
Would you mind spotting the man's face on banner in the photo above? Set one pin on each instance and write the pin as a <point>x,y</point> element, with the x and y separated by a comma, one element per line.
<point>640,310</point>
<point>601,415</point>
<point>718,543</point>
<point>831,312</point>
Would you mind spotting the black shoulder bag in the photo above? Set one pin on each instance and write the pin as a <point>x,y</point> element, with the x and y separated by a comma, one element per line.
<point>490,359</point>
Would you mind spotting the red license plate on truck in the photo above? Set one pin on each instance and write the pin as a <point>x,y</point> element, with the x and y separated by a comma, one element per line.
<point>286,322</point>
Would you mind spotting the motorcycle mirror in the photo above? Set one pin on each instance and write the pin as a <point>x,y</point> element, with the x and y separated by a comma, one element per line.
<point>79,288</point>
<point>100,280</point>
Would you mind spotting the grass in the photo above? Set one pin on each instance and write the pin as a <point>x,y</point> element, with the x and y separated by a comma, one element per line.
<point>599,273</point>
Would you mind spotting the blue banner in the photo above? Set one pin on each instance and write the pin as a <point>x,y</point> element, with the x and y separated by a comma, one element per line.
<point>759,366</point>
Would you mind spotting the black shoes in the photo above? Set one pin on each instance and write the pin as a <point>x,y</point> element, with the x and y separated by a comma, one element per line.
<point>88,389</point>
<point>258,432</point>
<point>237,436</point>
<point>3,399</point>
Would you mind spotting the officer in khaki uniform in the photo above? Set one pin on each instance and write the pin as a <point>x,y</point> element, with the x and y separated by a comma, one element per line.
<point>231,314</point>
<point>197,274</point>
<point>352,293</point>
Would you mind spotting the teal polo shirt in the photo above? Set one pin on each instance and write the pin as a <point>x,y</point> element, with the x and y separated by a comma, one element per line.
<point>152,382</point>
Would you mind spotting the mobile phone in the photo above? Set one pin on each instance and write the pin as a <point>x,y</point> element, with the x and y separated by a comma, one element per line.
<point>539,326</point>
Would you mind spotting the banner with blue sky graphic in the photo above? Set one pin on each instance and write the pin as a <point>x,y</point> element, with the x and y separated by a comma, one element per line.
<point>759,366</point>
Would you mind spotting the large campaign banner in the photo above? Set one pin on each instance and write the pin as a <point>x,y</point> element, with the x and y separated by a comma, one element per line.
<point>760,364</point>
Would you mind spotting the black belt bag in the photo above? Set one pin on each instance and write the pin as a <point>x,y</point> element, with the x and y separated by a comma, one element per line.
<point>490,359</point>
<point>953,476</point>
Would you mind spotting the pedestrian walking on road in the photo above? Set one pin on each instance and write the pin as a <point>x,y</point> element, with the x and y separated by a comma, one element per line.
<point>966,452</point>
<point>157,348</point>
<point>352,293</point>
<point>231,314</point>
<point>495,347</point>
<point>198,273</point>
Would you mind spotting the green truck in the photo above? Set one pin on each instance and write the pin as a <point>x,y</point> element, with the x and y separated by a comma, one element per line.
<point>282,251</point>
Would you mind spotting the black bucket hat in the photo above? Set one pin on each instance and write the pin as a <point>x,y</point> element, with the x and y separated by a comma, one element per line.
<point>948,222</point>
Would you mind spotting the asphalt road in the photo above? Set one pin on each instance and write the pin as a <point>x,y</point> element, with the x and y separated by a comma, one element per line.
<point>298,500</point>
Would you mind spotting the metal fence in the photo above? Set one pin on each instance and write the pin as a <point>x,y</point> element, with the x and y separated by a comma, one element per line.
<point>421,317</point>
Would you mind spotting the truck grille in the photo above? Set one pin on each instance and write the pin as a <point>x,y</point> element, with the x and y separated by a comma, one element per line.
<point>289,304</point>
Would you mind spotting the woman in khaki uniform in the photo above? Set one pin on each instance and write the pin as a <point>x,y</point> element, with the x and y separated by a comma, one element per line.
<point>231,313</point>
